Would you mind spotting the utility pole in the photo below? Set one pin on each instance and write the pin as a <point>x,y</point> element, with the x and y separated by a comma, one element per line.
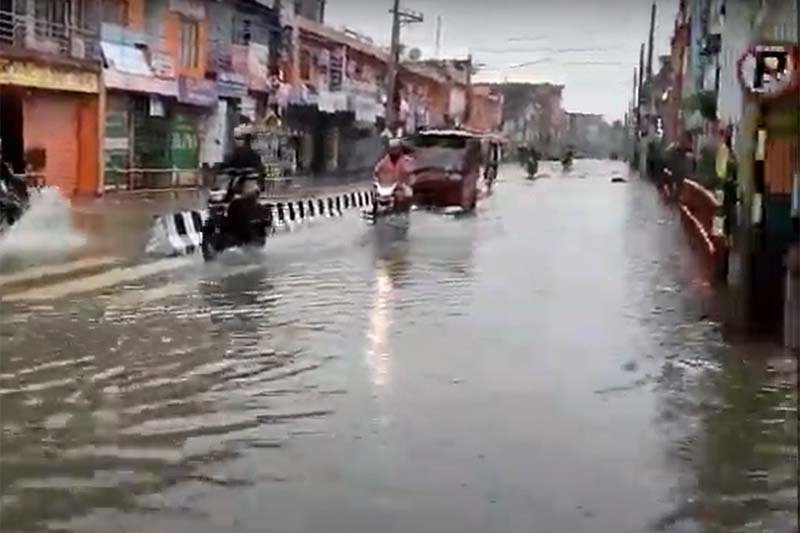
<point>641,88</point>
<point>399,17</point>
<point>650,94</point>
<point>438,37</point>
<point>650,43</point>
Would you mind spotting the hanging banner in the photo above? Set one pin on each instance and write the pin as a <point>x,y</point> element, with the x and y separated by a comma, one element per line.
<point>231,85</point>
<point>252,61</point>
<point>115,79</point>
<point>197,92</point>
<point>162,65</point>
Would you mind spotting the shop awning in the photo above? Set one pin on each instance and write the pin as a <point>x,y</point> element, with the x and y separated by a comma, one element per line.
<point>127,69</point>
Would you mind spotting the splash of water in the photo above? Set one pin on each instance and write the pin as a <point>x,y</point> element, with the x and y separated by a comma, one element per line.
<point>45,230</point>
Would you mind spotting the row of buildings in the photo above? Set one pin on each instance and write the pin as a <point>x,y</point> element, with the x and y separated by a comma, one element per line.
<point>727,99</point>
<point>107,94</point>
<point>533,115</point>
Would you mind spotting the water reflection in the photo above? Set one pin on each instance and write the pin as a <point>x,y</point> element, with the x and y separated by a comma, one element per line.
<point>379,357</point>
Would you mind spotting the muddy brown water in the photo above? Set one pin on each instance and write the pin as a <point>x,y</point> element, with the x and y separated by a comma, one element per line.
<point>549,364</point>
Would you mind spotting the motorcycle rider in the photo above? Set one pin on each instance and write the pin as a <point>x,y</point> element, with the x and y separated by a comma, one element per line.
<point>242,210</point>
<point>244,158</point>
<point>566,161</point>
<point>13,192</point>
<point>532,161</point>
<point>396,167</point>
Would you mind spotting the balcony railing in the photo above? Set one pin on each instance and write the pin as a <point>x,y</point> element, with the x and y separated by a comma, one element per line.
<point>26,32</point>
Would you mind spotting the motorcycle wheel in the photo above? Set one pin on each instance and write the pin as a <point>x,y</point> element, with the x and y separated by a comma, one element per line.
<point>209,244</point>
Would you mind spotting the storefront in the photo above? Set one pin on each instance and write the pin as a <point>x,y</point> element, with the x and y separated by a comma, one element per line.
<point>137,99</point>
<point>197,108</point>
<point>53,98</point>
<point>232,89</point>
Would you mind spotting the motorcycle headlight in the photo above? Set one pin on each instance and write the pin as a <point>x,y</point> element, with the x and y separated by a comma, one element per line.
<point>454,176</point>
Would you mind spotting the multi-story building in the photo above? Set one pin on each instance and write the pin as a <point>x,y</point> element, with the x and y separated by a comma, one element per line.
<point>435,93</point>
<point>533,115</point>
<point>588,134</point>
<point>336,103</point>
<point>186,71</point>
<point>50,66</point>
<point>486,109</point>
<point>310,9</point>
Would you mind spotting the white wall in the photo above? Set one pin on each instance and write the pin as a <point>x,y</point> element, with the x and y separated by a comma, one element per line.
<point>213,148</point>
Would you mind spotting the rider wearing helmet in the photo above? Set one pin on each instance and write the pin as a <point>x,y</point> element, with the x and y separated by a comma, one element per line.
<point>246,162</point>
<point>243,158</point>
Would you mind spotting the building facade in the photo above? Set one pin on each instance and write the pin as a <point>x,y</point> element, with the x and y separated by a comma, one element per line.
<point>533,115</point>
<point>50,81</point>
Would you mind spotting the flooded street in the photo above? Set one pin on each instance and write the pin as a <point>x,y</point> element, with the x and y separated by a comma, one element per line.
<point>551,364</point>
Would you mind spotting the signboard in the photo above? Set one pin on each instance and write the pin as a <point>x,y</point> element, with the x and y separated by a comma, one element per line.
<point>162,65</point>
<point>127,59</point>
<point>231,85</point>
<point>197,92</point>
<point>252,61</point>
<point>184,142</point>
<point>31,75</point>
<point>115,79</point>
<point>769,71</point>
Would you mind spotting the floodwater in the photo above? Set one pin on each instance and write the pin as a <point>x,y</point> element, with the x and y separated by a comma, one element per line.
<point>551,364</point>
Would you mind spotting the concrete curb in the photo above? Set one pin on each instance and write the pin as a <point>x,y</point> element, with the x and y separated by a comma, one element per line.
<point>181,233</point>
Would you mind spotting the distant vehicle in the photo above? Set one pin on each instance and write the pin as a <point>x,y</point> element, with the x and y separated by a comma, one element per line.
<point>566,160</point>
<point>531,167</point>
<point>450,167</point>
<point>238,217</point>
<point>614,156</point>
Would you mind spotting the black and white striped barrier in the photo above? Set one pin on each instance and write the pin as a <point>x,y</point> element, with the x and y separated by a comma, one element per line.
<point>181,233</point>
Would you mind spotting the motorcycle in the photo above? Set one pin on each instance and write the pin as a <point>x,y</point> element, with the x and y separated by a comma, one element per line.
<point>532,167</point>
<point>14,201</point>
<point>566,164</point>
<point>237,217</point>
<point>386,202</point>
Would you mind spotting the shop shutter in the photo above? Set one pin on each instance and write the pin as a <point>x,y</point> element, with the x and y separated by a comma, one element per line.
<point>51,122</point>
<point>780,164</point>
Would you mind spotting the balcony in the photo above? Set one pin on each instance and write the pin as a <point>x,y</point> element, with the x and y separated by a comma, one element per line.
<point>43,39</point>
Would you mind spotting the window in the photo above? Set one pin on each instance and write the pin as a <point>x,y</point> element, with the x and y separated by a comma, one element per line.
<point>190,44</point>
<point>305,65</point>
<point>54,16</point>
<point>243,29</point>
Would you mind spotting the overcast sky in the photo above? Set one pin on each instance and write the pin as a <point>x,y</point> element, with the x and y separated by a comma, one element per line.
<point>591,46</point>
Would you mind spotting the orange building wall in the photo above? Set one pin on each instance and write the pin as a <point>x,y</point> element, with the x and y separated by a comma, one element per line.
<point>73,154</point>
<point>136,14</point>
<point>172,37</point>
<point>88,146</point>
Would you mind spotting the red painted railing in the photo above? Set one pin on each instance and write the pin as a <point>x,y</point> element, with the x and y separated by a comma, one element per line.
<point>698,207</point>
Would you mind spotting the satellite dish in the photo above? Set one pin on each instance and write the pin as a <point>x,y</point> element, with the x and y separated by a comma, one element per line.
<point>415,54</point>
